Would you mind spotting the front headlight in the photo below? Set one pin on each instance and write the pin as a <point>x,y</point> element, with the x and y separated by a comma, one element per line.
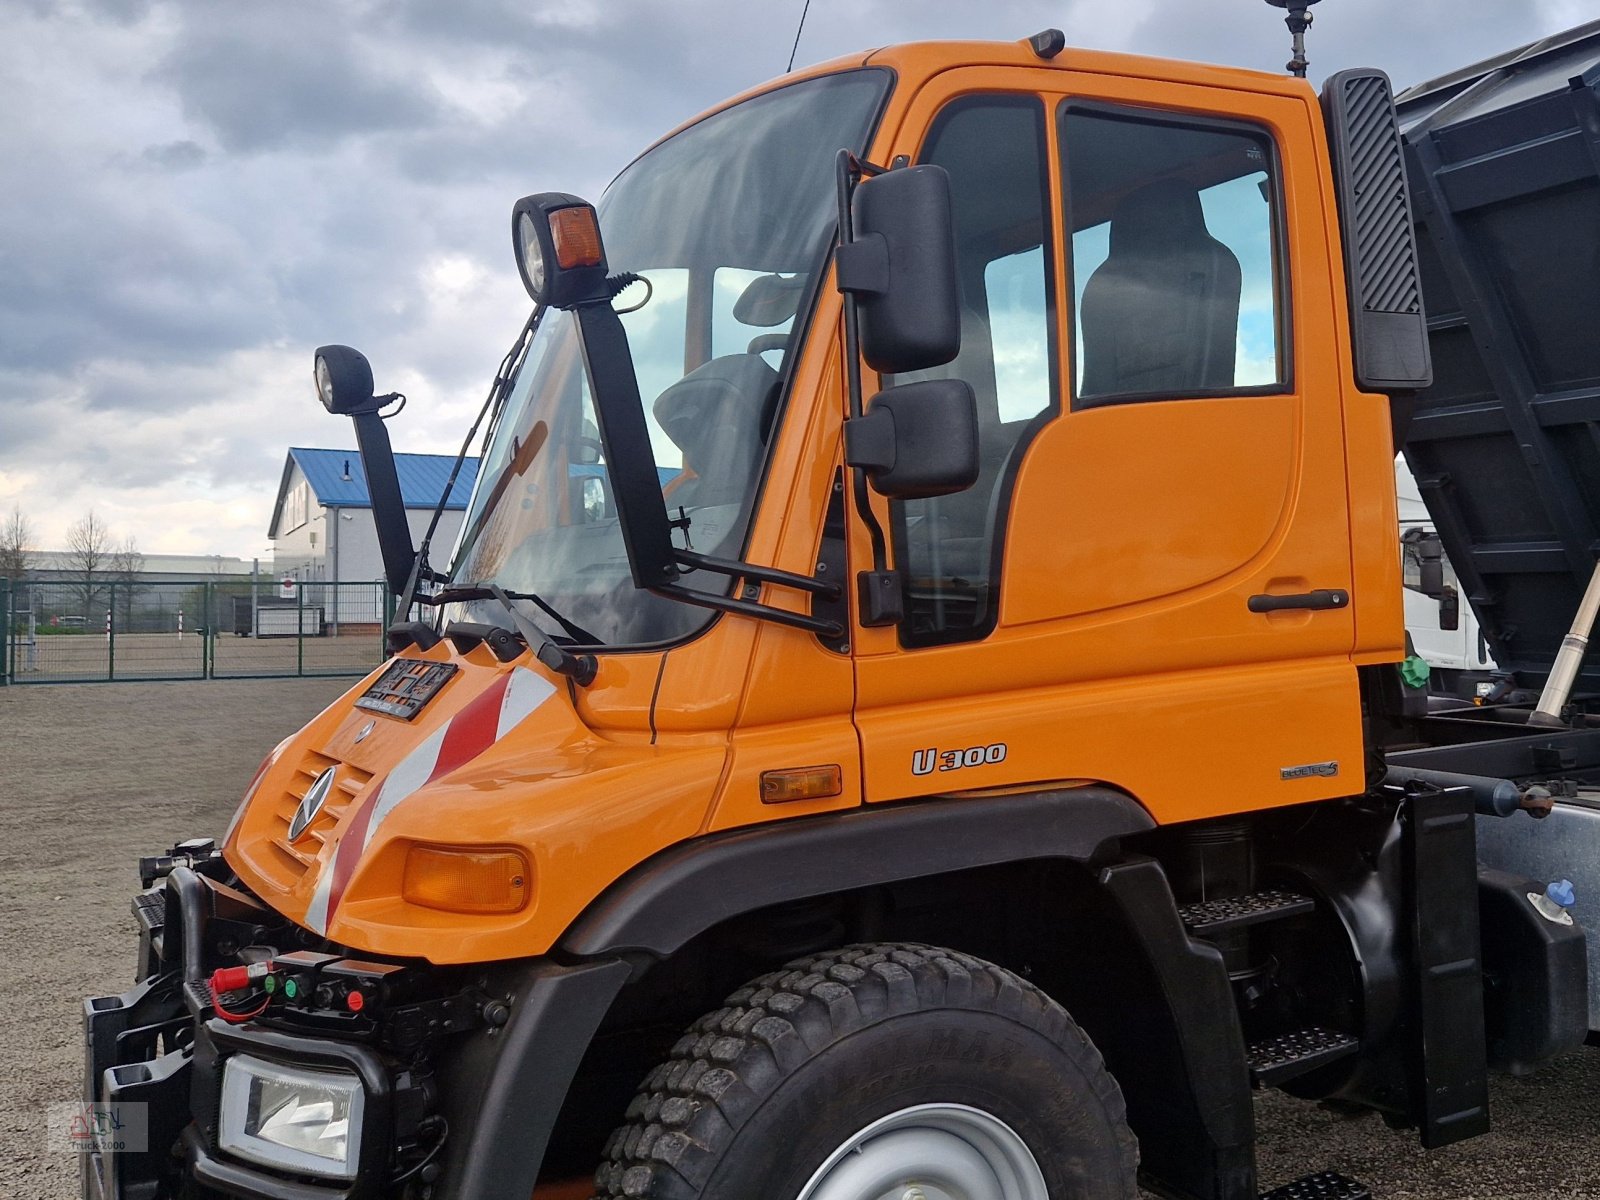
<point>292,1118</point>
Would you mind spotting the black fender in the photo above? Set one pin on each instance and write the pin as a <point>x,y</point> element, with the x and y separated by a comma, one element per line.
<point>680,893</point>
<point>503,1091</point>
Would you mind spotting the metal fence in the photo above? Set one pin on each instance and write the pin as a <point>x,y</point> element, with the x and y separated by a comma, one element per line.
<point>88,630</point>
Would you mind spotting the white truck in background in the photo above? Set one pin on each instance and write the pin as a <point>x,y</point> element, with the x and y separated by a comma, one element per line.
<point>1444,630</point>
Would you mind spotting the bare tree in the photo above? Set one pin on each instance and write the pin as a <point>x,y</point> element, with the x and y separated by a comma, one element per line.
<point>124,566</point>
<point>88,552</point>
<point>16,545</point>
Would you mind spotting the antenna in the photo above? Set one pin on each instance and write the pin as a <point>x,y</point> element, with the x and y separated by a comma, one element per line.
<point>797,30</point>
<point>1298,20</point>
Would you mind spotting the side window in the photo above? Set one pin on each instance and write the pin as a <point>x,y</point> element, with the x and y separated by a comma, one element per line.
<point>948,547</point>
<point>1176,274</point>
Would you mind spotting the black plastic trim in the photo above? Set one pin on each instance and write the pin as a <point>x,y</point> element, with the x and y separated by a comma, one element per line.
<point>519,1082</point>
<point>641,511</point>
<point>388,505</point>
<point>232,1179</point>
<point>1319,599</point>
<point>1389,346</point>
<point>662,904</point>
<point>1192,1109</point>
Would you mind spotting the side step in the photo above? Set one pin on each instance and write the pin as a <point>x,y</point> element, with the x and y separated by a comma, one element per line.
<point>1276,1060</point>
<point>1324,1185</point>
<point>1212,917</point>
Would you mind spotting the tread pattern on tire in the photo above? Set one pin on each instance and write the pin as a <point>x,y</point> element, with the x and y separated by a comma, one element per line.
<point>722,1069</point>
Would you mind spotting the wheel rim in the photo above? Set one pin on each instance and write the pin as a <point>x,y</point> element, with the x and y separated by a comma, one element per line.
<point>930,1152</point>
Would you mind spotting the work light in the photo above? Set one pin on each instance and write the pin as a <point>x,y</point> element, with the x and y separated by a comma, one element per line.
<point>293,1118</point>
<point>344,379</point>
<point>556,238</point>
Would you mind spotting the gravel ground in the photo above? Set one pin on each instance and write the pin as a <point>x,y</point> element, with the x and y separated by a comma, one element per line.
<point>91,776</point>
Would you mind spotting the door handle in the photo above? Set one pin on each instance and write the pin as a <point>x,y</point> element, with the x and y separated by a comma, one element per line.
<point>1321,598</point>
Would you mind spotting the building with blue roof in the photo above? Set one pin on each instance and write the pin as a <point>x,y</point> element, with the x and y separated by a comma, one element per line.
<point>322,527</point>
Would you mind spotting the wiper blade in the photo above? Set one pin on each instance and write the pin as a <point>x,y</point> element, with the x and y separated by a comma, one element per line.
<point>485,591</point>
<point>580,668</point>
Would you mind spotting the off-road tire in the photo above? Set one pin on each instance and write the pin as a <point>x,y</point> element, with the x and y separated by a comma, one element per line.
<point>757,1094</point>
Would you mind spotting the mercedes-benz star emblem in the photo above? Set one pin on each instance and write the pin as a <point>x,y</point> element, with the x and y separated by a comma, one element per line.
<point>316,796</point>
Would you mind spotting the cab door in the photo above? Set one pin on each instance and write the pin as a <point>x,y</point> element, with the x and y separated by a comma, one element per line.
<point>1149,585</point>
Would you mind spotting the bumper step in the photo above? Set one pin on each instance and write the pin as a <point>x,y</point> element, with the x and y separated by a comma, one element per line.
<point>1275,1061</point>
<point>1323,1185</point>
<point>1213,917</point>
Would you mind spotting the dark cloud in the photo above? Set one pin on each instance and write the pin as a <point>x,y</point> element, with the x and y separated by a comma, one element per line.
<point>267,76</point>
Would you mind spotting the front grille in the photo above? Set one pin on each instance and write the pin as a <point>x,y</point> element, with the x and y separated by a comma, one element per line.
<point>298,856</point>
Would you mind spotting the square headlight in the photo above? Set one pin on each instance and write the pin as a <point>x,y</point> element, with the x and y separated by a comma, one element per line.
<point>292,1118</point>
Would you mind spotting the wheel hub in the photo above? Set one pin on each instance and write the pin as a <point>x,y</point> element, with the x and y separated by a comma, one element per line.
<point>930,1152</point>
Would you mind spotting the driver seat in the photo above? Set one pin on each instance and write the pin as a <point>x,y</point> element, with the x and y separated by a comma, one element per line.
<point>720,415</point>
<point>1161,314</point>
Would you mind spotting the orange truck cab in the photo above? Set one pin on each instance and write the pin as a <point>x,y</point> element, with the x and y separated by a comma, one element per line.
<point>905,714</point>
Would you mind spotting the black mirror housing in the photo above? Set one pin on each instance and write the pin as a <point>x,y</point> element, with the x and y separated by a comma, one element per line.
<point>917,439</point>
<point>901,268</point>
<point>344,380</point>
<point>1449,608</point>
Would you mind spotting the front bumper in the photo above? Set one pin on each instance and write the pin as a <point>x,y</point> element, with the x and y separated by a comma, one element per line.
<point>465,1074</point>
<point>158,1045</point>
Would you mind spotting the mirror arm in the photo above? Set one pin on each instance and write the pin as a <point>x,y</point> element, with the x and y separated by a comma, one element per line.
<point>744,570</point>
<point>636,488</point>
<point>388,506</point>
<point>878,595</point>
<point>750,608</point>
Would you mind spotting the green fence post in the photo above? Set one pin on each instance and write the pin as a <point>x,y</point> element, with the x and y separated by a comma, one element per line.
<point>299,628</point>
<point>208,650</point>
<point>7,632</point>
<point>111,631</point>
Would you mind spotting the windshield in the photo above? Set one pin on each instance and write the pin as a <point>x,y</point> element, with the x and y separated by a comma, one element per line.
<point>728,222</point>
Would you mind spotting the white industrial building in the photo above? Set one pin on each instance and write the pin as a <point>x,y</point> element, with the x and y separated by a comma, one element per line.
<point>322,528</point>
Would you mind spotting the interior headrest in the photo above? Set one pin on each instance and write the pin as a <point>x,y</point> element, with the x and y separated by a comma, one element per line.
<point>735,389</point>
<point>1160,216</point>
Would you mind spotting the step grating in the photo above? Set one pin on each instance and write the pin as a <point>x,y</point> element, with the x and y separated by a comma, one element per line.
<point>1323,1185</point>
<point>1279,1059</point>
<point>1237,912</point>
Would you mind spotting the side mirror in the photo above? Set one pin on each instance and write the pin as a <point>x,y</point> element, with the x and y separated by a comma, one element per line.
<point>1450,608</point>
<point>344,380</point>
<point>1430,564</point>
<point>901,268</point>
<point>917,439</point>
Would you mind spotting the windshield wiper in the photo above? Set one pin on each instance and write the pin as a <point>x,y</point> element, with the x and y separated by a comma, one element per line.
<point>580,668</point>
<point>486,591</point>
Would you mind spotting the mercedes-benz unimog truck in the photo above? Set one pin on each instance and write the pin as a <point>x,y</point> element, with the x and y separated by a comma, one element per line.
<point>919,707</point>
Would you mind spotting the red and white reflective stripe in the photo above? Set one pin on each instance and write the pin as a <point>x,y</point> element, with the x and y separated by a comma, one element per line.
<point>486,719</point>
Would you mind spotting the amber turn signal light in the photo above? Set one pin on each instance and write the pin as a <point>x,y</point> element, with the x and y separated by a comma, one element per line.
<point>466,879</point>
<point>801,783</point>
<point>576,235</point>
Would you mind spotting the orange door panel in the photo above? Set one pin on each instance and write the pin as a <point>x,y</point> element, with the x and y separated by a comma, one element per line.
<point>1122,644</point>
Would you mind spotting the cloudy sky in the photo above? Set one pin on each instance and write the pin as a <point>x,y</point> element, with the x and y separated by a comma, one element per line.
<point>199,192</point>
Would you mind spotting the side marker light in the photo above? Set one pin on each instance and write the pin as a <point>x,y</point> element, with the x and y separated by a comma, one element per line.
<point>801,783</point>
